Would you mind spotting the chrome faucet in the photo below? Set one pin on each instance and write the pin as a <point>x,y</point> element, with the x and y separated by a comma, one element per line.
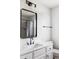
<point>31,41</point>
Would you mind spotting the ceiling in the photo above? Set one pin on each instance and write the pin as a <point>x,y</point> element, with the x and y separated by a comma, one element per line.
<point>50,3</point>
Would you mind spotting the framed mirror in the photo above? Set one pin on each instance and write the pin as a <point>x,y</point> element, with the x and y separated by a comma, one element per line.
<point>28,24</point>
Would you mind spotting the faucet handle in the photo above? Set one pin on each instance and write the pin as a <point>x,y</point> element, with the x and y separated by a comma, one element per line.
<point>27,43</point>
<point>33,42</point>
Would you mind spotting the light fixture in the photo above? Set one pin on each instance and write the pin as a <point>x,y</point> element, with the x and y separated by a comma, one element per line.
<point>30,3</point>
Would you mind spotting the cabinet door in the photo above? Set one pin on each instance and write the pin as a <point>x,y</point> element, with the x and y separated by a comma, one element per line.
<point>49,49</point>
<point>49,56</point>
<point>41,57</point>
<point>27,56</point>
<point>39,52</point>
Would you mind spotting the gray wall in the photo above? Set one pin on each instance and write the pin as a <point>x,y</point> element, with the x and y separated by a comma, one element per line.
<point>55,25</point>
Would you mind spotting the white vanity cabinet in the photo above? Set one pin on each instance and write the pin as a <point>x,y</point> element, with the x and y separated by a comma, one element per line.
<point>45,52</point>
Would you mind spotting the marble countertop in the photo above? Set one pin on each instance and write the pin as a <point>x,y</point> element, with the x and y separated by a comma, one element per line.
<point>37,46</point>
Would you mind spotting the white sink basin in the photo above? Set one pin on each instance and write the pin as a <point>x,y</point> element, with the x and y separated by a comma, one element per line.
<point>37,45</point>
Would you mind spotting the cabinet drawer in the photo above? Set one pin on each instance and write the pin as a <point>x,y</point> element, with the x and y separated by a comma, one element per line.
<point>49,49</point>
<point>27,56</point>
<point>39,52</point>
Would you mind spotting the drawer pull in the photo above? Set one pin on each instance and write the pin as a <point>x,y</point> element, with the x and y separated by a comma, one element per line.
<point>50,48</point>
<point>25,58</point>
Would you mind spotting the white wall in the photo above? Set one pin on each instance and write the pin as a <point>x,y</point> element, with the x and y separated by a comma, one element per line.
<point>43,20</point>
<point>55,25</point>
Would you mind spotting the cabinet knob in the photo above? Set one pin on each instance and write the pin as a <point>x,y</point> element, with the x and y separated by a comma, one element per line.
<point>47,55</point>
<point>25,58</point>
<point>50,48</point>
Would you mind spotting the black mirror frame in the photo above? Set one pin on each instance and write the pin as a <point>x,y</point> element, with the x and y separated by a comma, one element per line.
<point>21,20</point>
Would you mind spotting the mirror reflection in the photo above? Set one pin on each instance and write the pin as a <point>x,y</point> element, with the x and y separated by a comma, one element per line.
<point>28,25</point>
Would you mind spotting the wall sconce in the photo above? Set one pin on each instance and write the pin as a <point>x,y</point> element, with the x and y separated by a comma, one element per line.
<point>30,3</point>
<point>47,27</point>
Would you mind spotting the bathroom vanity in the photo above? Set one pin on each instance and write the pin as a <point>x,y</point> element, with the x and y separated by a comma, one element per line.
<point>39,51</point>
